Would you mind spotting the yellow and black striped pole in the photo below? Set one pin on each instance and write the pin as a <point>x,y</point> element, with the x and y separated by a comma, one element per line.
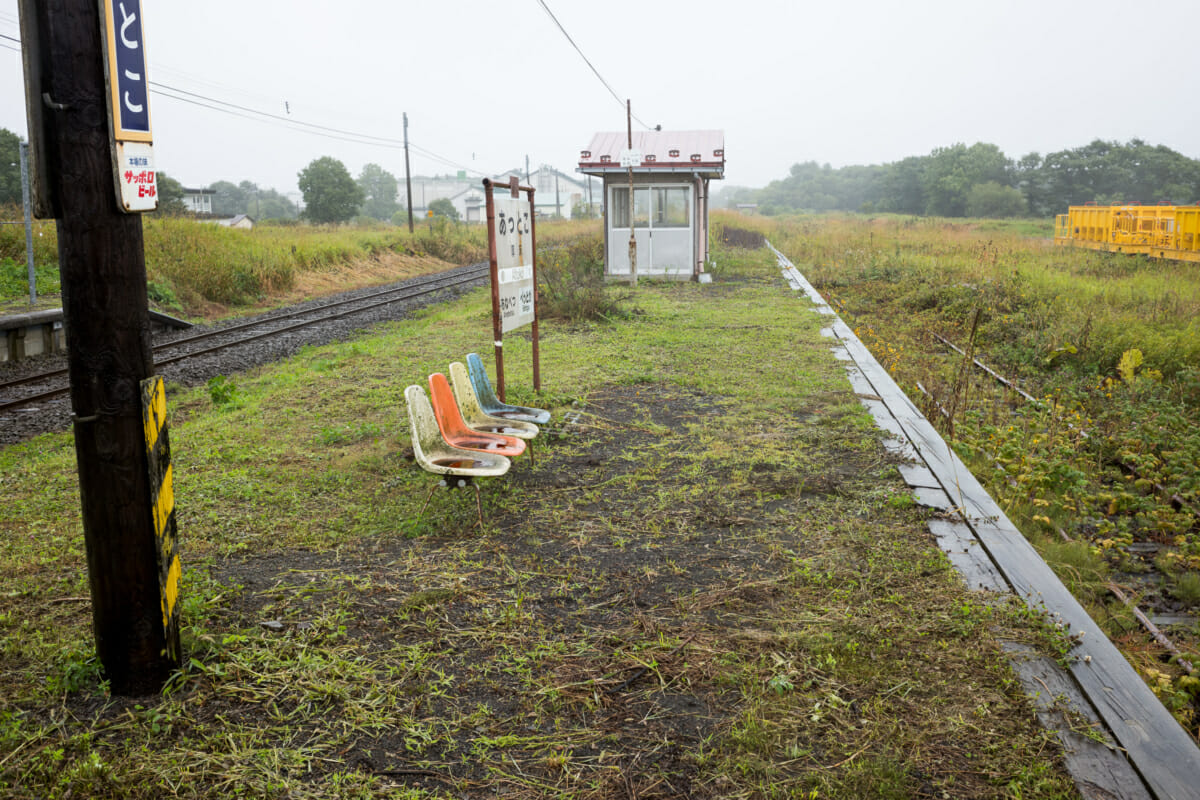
<point>162,497</point>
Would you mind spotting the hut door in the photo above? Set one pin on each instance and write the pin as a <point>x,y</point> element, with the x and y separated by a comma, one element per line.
<point>671,230</point>
<point>618,232</point>
<point>661,227</point>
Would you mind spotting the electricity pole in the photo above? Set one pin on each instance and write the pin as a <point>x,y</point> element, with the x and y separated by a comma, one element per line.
<point>632,240</point>
<point>407,174</point>
<point>108,337</point>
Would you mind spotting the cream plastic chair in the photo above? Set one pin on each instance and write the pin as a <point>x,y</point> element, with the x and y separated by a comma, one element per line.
<point>476,417</point>
<point>433,454</point>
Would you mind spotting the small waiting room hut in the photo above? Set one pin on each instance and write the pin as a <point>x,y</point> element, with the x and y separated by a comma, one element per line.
<point>671,172</point>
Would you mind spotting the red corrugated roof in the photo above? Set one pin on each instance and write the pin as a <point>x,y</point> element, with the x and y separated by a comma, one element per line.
<point>702,151</point>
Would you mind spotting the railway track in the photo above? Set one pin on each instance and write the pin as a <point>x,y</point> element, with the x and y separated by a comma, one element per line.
<point>26,392</point>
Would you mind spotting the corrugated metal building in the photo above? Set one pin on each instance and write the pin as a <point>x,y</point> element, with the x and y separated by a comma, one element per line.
<point>669,215</point>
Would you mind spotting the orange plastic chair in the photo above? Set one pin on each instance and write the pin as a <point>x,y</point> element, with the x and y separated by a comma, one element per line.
<point>455,430</point>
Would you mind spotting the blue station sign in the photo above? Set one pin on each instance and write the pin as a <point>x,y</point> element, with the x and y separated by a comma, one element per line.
<point>128,83</point>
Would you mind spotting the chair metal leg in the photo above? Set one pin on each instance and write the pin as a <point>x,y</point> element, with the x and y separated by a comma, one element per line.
<point>478,504</point>
<point>429,497</point>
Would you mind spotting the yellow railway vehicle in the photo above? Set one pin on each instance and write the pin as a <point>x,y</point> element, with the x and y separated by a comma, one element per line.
<point>1160,231</point>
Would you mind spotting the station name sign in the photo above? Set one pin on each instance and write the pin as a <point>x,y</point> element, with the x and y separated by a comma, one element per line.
<point>129,104</point>
<point>513,235</point>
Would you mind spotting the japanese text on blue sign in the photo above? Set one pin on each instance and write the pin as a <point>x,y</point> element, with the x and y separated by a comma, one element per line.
<point>127,70</point>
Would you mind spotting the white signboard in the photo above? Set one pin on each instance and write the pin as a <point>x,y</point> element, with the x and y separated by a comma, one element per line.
<point>514,262</point>
<point>135,175</point>
<point>631,158</point>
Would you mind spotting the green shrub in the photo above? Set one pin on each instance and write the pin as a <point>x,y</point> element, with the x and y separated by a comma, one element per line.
<point>571,283</point>
<point>222,391</point>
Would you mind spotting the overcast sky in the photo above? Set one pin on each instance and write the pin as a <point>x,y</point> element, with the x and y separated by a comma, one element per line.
<point>487,83</point>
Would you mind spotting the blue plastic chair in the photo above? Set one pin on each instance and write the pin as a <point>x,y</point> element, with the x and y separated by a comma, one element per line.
<point>491,404</point>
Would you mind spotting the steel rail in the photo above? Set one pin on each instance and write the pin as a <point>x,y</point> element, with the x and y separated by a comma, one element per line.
<point>425,286</point>
<point>1176,499</point>
<point>1113,587</point>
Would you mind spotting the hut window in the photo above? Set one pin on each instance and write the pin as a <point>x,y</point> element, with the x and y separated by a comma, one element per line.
<point>671,207</point>
<point>620,207</point>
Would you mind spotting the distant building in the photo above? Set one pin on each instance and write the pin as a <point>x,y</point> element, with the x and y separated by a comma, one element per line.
<point>426,189</point>
<point>242,222</point>
<point>198,201</point>
<point>470,204</point>
<point>557,194</point>
<point>669,214</point>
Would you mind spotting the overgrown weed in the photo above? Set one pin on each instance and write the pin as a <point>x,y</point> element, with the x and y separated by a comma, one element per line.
<point>1106,456</point>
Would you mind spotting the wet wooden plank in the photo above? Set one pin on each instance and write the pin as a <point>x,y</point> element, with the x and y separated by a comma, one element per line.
<point>967,555</point>
<point>1100,771</point>
<point>879,411</point>
<point>861,385</point>
<point>1164,754</point>
<point>901,448</point>
<point>792,277</point>
<point>918,475</point>
<point>933,498</point>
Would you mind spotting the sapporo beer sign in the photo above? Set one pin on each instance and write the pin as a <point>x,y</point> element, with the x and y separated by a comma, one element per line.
<point>514,262</point>
<point>129,104</point>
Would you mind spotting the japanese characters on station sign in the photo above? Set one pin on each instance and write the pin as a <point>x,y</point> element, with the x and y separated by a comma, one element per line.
<point>513,234</point>
<point>129,104</point>
<point>135,173</point>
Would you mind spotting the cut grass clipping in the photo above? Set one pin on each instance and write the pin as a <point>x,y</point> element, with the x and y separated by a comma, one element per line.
<point>713,584</point>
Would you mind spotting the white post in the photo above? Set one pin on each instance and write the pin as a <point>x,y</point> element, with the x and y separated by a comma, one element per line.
<point>28,222</point>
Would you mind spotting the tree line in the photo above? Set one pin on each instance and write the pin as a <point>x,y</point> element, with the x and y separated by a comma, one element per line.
<point>956,181</point>
<point>331,194</point>
<point>981,181</point>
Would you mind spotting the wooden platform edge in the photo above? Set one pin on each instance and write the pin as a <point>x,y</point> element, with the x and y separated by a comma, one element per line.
<point>1161,752</point>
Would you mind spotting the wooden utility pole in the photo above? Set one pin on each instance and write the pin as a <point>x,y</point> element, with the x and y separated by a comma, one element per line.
<point>407,174</point>
<point>108,338</point>
<point>632,239</point>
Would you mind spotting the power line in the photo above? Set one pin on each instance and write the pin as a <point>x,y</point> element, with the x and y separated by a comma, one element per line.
<point>245,112</point>
<point>444,160</point>
<point>616,96</point>
<point>337,134</point>
<point>269,118</point>
<point>279,117</point>
<point>310,128</point>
